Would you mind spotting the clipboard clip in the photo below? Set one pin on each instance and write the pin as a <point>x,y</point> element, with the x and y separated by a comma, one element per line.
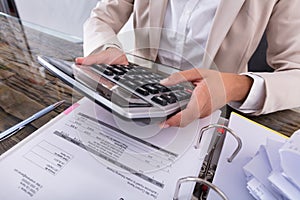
<point>198,180</point>
<point>238,139</point>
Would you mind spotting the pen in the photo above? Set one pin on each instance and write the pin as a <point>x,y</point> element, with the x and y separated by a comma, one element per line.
<point>14,129</point>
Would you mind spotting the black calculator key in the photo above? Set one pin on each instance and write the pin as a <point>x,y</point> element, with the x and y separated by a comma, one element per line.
<point>117,78</point>
<point>151,89</point>
<point>99,67</point>
<point>129,77</point>
<point>176,87</point>
<point>161,88</point>
<point>134,71</point>
<point>150,81</point>
<point>138,77</point>
<point>130,84</point>
<point>142,91</point>
<point>179,87</point>
<point>169,98</point>
<point>108,72</point>
<point>159,100</point>
<point>132,65</point>
<point>172,95</point>
<point>179,96</point>
<point>182,95</point>
<point>140,82</point>
<point>186,94</point>
<point>117,71</point>
<point>121,67</point>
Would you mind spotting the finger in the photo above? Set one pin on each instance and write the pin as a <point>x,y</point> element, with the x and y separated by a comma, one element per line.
<point>182,119</point>
<point>98,58</point>
<point>114,56</point>
<point>109,56</point>
<point>79,60</point>
<point>187,115</point>
<point>183,76</point>
<point>89,60</point>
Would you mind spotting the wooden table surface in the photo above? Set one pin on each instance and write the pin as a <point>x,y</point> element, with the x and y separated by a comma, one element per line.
<point>26,87</point>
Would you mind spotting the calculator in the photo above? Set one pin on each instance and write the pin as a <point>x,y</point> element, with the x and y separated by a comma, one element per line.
<point>132,91</point>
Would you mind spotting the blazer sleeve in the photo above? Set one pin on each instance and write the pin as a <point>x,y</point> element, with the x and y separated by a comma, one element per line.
<point>104,23</point>
<point>283,35</point>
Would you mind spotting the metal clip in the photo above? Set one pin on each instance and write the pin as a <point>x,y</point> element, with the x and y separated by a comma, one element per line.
<point>239,141</point>
<point>198,180</point>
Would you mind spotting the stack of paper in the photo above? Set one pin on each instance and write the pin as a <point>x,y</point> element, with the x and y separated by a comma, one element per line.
<point>273,173</point>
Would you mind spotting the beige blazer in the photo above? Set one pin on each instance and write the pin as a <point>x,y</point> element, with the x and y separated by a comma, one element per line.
<point>236,31</point>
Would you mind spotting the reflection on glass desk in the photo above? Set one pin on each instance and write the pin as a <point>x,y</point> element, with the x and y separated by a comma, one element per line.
<point>26,87</point>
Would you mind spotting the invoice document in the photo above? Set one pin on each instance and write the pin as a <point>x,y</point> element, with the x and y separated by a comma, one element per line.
<point>88,153</point>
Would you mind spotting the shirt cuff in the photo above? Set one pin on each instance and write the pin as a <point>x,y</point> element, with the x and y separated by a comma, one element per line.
<point>256,97</point>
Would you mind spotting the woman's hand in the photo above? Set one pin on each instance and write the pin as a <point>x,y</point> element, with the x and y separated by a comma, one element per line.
<point>212,91</point>
<point>111,55</point>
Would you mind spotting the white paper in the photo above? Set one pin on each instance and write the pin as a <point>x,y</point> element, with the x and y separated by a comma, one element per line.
<point>258,190</point>
<point>272,147</point>
<point>259,168</point>
<point>75,157</point>
<point>290,159</point>
<point>284,187</point>
<point>229,177</point>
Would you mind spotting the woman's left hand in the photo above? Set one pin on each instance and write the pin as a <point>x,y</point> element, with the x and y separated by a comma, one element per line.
<point>212,91</point>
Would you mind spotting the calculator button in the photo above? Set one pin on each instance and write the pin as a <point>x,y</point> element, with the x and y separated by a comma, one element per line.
<point>121,67</point>
<point>169,98</point>
<point>116,71</point>
<point>99,67</point>
<point>140,82</point>
<point>176,87</point>
<point>151,89</point>
<point>130,84</point>
<point>108,72</point>
<point>142,91</point>
<point>179,96</point>
<point>138,77</point>
<point>159,100</point>
<point>186,94</point>
<point>161,88</point>
<point>182,95</point>
<point>172,95</point>
<point>117,78</point>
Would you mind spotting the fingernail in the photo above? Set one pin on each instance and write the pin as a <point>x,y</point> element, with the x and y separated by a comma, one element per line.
<point>163,81</point>
<point>164,125</point>
<point>79,60</point>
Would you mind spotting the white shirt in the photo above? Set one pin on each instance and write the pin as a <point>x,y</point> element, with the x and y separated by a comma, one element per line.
<point>186,28</point>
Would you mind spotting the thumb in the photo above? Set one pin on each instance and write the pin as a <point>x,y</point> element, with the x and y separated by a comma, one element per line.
<point>79,60</point>
<point>89,60</point>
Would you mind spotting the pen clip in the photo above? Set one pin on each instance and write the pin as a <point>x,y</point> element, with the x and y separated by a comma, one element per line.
<point>238,139</point>
<point>12,133</point>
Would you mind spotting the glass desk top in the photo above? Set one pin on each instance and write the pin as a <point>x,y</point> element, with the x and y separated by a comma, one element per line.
<point>26,87</point>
